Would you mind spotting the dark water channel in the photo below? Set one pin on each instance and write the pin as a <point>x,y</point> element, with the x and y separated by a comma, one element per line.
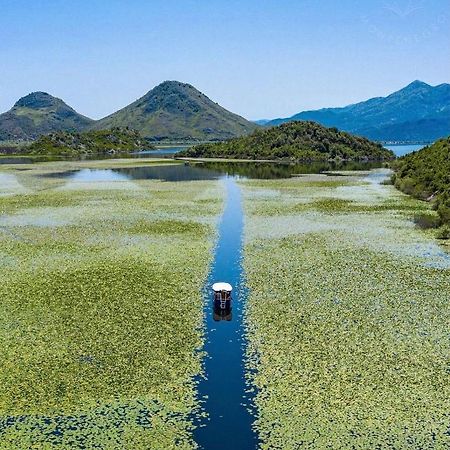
<point>222,391</point>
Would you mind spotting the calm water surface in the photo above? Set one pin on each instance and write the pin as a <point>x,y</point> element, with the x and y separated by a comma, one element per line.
<point>163,152</point>
<point>401,150</point>
<point>229,422</point>
<point>208,171</point>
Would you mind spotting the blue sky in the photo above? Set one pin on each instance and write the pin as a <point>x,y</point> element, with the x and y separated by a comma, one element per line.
<point>259,58</point>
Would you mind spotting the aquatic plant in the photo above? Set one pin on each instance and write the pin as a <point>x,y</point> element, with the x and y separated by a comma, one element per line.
<point>101,311</point>
<point>348,318</point>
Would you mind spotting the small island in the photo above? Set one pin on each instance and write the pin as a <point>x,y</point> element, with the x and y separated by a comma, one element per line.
<point>294,141</point>
<point>70,143</point>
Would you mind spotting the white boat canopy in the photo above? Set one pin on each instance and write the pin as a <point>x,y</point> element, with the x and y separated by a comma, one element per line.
<point>219,287</point>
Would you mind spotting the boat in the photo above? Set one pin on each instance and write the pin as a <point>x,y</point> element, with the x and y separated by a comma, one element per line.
<point>222,295</point>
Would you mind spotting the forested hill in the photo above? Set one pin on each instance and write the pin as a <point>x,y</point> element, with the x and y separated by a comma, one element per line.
<point>296,141</point>
<point>425,174</point>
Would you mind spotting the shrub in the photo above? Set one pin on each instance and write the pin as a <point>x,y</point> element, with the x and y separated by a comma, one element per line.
<point>443,232</point>
<point>426,220</point>
<point>426,175</point>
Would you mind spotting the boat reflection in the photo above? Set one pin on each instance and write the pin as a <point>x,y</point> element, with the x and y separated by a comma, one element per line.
<point>220,314</point>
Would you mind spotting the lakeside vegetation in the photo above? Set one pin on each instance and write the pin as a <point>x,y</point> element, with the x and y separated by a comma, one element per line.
<point>294,141</point>
<point>347,316</point>
<point>66,143</point>
<point>425,174</point>
<point>101,312</point>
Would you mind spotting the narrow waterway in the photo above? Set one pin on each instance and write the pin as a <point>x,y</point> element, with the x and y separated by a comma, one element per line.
<point>229,422</point>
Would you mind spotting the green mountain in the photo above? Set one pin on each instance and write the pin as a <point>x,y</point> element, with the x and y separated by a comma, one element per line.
<point>418,112</point>
<point>425,174</point>
<point>116,140</point>
<point>295,141</point>
<point>178,111</point>
<point>39,113</point>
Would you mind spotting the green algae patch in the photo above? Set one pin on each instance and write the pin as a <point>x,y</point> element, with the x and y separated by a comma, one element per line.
<point>101,313</point>
<point>347,319</point>
<point>167,227</point>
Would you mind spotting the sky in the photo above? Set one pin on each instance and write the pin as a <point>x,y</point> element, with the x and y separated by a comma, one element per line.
<point>258,58</point>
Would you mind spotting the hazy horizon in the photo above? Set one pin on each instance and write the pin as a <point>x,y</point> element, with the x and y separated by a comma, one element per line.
<point>259,59</point>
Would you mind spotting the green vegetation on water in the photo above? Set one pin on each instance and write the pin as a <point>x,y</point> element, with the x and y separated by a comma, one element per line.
<point>425,174</point>
<point>115,140</point>
<point>348,317</point>
<point>101,309</point>
<point>294,141</point>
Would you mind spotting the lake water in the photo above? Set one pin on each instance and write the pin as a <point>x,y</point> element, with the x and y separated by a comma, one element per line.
<point>170,172</point>
<point>209,171</point>
<point>401,150</point>
<point>163,152</point>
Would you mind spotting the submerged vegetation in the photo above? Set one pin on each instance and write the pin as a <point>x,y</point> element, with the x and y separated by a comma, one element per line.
<point>347,316</point>
<point>425,174</point>
<point>101,312</point>
<point>296,141</point>
<point>66,143</point>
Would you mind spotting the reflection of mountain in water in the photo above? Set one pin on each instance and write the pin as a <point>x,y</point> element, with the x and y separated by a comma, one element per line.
<point>172,172</point>
<point>278,170</point>
<point>209,171</point>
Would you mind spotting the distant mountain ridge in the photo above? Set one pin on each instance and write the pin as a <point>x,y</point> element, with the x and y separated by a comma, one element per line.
<point>178,111</point>
<point>418,112</point>
<point>40,113</point>
<point>170,111</point>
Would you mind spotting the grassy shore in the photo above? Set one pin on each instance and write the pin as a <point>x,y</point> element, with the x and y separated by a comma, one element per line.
<point>348,316</point>
<point>101,311</point>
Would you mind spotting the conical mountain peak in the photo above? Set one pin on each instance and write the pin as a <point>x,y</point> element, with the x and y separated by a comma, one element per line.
<point>38,100</point>
<point>178,111</point>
